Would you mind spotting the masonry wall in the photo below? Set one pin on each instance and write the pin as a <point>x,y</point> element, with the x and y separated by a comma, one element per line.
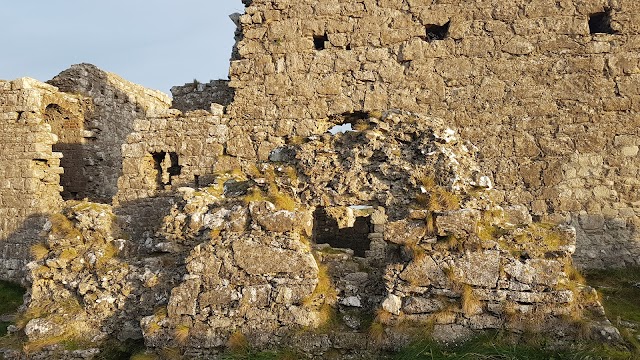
<point>552,107</point>
<point>193,144</point>
<point>29,170</point>
<point>199,96</point>
<point>115,104</point>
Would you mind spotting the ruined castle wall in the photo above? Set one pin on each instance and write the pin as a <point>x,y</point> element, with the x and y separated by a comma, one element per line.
<point>116,104</point>
<point>29,169</point>
<point>169,150</point>
<point>552,106</point>
<point>199,96</point>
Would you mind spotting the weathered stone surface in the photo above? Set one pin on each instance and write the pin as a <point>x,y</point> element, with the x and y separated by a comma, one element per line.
<point>405,231</point>
<point>258,259</point>
<point>419,305</point>
<point>266,215</point>
<point>424,271</point>
<point>480,269</point>
<point>457,223</point>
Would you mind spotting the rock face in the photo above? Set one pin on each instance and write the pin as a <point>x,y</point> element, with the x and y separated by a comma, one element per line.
<point>198,96</point>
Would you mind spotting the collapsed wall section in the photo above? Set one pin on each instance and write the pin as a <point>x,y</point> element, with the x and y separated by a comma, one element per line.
<point>200,96</point>
<point>29,168</point>
<point>548,92</point>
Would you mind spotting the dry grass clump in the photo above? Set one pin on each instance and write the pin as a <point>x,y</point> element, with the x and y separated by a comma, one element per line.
<point>377,327</point>
<point>573,274</point>
<point>470,303</point>
<point>39,251</point>
<point>376,332</point>
<point>62,227</point>
<point>237,342</point>
<point>361,125</point>
<point>280,199</point>
<point>325,291</point>
<point>255,195</point>
<point>435,197</point>
<point>181,333</point>
<point>430,223</point>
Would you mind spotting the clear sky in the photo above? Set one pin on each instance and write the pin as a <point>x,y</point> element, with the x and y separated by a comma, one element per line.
<point>155,43</point>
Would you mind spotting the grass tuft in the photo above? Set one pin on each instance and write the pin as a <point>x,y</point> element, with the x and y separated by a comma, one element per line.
<point>39,251</point>
<point>238,342</point>
<point>181,333</point>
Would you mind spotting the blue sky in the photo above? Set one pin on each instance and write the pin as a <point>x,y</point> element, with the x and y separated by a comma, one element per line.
<point>157,43</point>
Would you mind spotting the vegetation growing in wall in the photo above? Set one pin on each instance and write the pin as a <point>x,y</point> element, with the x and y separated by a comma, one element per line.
<point>435,197</point>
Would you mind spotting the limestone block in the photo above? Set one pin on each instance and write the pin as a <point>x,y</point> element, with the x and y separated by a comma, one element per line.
<point>479,268</point>
<point>184,298</point>
<point>424,271</point>
<point>517,215</point>
<point>405,231</point>
<point>392,304</point>
<point>259,259</point>
<point>459,223</point>
<point>219,297</point>
<point>421,305</point>
<point>241,146</point>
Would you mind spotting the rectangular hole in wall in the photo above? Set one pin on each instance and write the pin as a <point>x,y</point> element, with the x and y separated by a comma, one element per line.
<point>356,238</point>
<point>436,32</point>
<point>319,41</point>
<point>600,23</point>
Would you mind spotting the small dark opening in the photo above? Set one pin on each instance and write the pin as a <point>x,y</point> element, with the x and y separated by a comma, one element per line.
<point>166,166</point>
<point>600,23</point>
<point>196,181</point>
<point>319,41</point>
<point>348,47</point>
<point>326,231</point>
<point>350,117</point>
<point>158,158</point>
<point>437,32</point>
<point>174,168</point>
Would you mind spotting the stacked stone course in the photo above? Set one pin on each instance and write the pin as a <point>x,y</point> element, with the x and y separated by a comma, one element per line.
<point>552,107</point>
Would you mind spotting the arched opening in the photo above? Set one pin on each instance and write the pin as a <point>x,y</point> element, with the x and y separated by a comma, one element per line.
<point>68,128</point>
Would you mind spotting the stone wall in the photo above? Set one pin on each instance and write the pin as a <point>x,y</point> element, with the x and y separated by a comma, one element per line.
<point>199,96</point>
<point>235,262</point>
<point>548,94</point>
<point>29,170</point>
<point>116,103</point>
<point>170,149</point>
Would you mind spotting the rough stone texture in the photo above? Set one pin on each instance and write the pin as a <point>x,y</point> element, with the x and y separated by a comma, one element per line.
<point>115,104</point>
<point>198,96</point>
<point>30,170</point>
<point>227,259</point>
<point>552,108</point>
<point>217,203</point>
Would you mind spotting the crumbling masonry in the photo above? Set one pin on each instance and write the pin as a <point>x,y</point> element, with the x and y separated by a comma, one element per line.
<point>493,145</point>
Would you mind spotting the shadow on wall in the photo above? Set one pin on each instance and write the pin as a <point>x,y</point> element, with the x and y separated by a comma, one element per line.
<point>92,146</point>
<point>15,250</point>
<point>89,273</point>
